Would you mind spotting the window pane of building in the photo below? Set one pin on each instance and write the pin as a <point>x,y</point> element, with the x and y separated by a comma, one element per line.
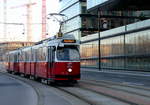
<point>112,46</point>
<point>90,63</point>
<point>89,50</point>
<point>66,3</point>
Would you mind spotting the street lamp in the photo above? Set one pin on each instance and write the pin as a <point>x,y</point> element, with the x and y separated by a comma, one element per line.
<point>99,39</point>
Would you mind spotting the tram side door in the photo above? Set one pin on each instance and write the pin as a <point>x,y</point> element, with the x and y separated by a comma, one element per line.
<point>51,61</point>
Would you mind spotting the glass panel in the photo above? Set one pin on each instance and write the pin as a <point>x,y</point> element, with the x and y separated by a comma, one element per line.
<point>138,25</point>
<point>42,53</point>
<point>138,64</point>
<point>89,50</point>
<point>72,24</point>
<point>138,43</point>
<point>72,11</point>
<point>65,3</point>
<point>68,53</point>
<point>89,37</point>
<point>112,63</point>
<point>89,63</point>
<point>112,46</point>
<point>89,22</point>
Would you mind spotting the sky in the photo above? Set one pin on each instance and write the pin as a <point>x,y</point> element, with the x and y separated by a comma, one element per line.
<point>17,13</point>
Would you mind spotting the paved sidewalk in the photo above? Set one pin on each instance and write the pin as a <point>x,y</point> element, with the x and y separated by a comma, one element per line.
<point>137,73</point>
<point>117,76</point>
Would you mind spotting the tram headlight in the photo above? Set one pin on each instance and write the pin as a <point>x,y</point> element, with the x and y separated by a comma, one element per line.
<point>69,70</point>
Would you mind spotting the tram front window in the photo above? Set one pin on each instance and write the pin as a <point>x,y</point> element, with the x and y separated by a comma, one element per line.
<point>68,54</point>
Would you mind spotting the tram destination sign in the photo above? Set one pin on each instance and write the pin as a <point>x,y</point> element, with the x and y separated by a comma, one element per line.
<point>69,41</point>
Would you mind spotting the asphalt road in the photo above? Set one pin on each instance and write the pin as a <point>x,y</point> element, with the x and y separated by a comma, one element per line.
<point>15,92</point>
<point>130,78</point>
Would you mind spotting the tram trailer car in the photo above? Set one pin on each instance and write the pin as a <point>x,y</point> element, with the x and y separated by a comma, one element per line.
<point>54,60</point>
<point>25,58</point>
<point>6,58</point>
<point>12,62</point>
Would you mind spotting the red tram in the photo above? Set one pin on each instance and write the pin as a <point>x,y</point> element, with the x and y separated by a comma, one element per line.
<point>54,59</point>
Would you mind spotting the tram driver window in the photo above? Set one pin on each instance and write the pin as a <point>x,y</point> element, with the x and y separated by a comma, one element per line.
<point>68,53</point>
<point>62,54</point>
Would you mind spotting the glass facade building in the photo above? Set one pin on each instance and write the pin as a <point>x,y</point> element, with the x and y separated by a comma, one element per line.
<point>73,10</point>
<point>78,23</point>
<point>123,45</point>
<point>122,48</point>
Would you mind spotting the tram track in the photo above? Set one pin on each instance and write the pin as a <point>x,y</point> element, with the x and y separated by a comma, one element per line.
<point>128,96</point>
<point>94,98</point>
<point>75,95</point>
<point>120,87</point>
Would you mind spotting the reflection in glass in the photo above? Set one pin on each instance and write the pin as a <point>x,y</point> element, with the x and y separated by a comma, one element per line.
<point>138,43</point>
<point>138,64</point>
<point>68,54</point>
<point>90,63</point>
<point>135,57</point>
<point>89,50</point>
<point>112,46</point>
<point>112,63</point>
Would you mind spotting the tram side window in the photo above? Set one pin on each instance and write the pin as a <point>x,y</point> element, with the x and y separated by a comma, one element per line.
<point>28,55</point>
<point>15,57</point>
<point>68,53</point>
<point>41,54</point>
<point>34,57</point>
<point>5,58</point>
<point>51,54</point>
<point>23,56</point>
<point>10,57</point>
<point>62,54</point>
<point>44,53</point>
<point>20,57</point>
